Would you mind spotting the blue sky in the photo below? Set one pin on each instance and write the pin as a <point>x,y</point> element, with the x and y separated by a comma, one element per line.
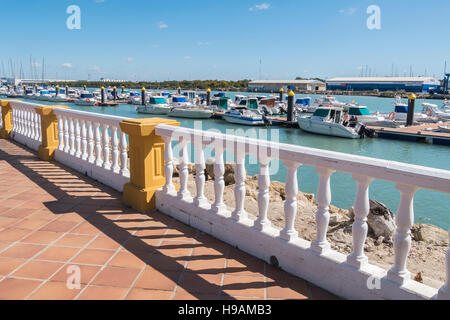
<point>199,39</point>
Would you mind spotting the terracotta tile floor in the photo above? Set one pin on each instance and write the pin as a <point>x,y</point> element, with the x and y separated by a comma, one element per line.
<point>53,219</point>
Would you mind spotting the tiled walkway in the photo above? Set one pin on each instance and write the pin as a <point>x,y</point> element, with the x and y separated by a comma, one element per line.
<point>53,221</point>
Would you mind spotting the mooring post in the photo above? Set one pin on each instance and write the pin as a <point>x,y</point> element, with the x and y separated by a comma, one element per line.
<point>143,96</point>
<point>290,115</point>
<point>57,90</point>
<point>208,97</point>
<point>103,94</point>
<point>115,93</point>
<point>179,90</point>
<point>411,105</point>
<point>281,95</point>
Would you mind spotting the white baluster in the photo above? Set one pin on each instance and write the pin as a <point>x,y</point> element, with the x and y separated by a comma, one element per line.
<point>200,166</point>
<point>66,135</point>
<point>61,133</point>
<point>184,193</point>
<point>361,209</point>
<point>219,182</point>
<point>290,205</point>
<point>444,292</point>
<point>168,165</point>
<point>106,144</point>
<point>239,213</point>
<point>77,138</point>
<point>21,121</point>
<point>98,145</point>
<point>124,155</point>
<point>84,142</point>
<point>402,239</point>
<point>33,131</point>
<point>72,136</point>
<point>91,156</point>
<point>27,123</point>
<point>321,243</point>
<point>263,195</point>
<point>39,127</point>
<point>115,149</point>
<point>36,126</point>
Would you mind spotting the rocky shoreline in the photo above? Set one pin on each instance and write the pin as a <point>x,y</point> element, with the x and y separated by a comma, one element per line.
<point>429,245</point>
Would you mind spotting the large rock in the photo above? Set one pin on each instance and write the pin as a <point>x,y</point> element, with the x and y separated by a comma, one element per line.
<point>430,234</point>
<point>381,221</point>
<point>229,171</point>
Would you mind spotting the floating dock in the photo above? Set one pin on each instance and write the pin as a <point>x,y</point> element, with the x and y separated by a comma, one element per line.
<point>428,132</point>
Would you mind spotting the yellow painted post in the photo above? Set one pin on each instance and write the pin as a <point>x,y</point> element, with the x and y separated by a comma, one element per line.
<point>49,125</point>
<point>5,132</point>
<point>146,152</point>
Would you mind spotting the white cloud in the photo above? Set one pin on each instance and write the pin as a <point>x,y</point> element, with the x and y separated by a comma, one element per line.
<point>95,68</point>
<point>203,43</point>
<point>67,65</point>
<point>258,7</point>
<point>162,25</point>
<point>188,58</point>
<point>99,1</point>
<point>130,59</point>
<point>348,11</point>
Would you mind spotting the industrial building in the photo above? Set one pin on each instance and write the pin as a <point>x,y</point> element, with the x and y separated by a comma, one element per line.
<point>408,84</point>
<point>276,85</point>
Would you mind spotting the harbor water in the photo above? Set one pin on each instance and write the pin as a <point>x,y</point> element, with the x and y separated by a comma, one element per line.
<point>430,207</point>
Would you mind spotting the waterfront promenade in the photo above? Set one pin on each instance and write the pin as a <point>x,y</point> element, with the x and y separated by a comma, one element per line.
<point>52,218</point>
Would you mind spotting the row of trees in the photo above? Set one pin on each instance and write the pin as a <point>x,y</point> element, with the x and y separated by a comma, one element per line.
<point>170,85</point>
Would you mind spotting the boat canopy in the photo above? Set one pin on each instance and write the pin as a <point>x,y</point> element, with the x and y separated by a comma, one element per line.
<point>222,103</point>
<point>401,109</point>
<point>44,92</point>
<point>157,100</point>
<point>304,101</point>
<point>165,94</point>
<point>135,94</point>
<point>252,103</point>
<point>86,96</point>
<point>323,113</point>
<point>359,112</point>
<point>179,99</point>
<point>220,95</point>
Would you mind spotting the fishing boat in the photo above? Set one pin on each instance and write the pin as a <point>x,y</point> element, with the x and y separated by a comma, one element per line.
<point>243,115</point>
<point>445,129</point>
<point>331,121</point>
<point>86,99</point>
<point>157,105</point>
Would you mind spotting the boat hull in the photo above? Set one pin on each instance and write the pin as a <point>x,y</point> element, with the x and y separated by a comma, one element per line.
<point>153,109</point>
<point>191,114</point>
<point>247,121</point>
<point>327,128</point>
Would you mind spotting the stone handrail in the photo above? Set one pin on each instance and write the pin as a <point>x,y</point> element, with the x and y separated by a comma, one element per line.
<point>197,211</point>
<point>26,124</point>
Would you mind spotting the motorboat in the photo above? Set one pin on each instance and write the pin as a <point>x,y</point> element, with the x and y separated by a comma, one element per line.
<point>245,116</point>
<point>400,112</point>
<point>43,95</point>
<point>135,98</point>
<point>433,111</point>
<point>326,101</point>
<point>362,114</point>
<point>86,99</point>
<point>61,97</point>
<point>191,112</point>
<point>157,105</point>
<point>331,121</point>
<point>445,129</point>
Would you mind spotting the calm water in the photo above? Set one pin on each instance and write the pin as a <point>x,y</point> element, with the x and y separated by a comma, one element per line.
<point>430,207</point>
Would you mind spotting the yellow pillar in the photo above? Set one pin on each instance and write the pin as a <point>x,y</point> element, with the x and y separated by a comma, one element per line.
<point>49,127</point>
<point>5,132</point>
<point>146,151</point>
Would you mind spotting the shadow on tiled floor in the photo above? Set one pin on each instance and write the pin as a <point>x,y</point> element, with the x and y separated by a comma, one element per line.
<point>52,218</point>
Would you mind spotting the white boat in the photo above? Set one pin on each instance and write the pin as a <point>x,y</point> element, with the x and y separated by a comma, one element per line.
<point>445,129</point>
<point>179,101</point>
<point>433,111</point>
<point>400,112</point>
<point>43,95</point>
<point>245,116</point>
<point>157,105</point>
<point>61,97</point>
<point>362,114</point>
<point>325,101</point>
<point>330,121</point>
<point>191,112</point>
<point>86,99</point>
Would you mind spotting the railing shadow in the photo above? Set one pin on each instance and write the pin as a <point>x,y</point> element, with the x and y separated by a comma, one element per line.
<point>90,206</point>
